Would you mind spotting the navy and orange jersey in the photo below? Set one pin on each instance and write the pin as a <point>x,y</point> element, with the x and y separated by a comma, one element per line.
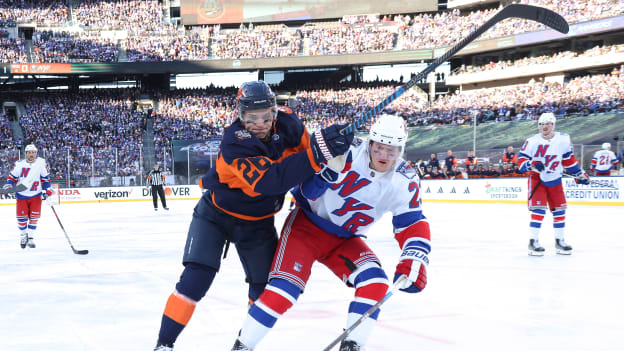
<point>252,176</point>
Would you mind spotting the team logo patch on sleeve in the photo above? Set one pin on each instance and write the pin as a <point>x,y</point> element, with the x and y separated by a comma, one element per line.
<point>242,135</point>
<point>406,170</point>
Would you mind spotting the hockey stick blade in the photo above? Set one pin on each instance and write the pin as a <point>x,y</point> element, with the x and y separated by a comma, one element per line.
<point>16,189</point>
<point>77,252</point>
<point>529,12</point>
<point>370,311</point>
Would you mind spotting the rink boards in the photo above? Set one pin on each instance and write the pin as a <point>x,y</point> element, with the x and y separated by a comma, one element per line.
<point>496,190</point>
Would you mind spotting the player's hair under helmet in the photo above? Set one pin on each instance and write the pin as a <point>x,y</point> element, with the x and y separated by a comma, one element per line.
<point>606,146</point>
<point>30,147</point>
<point>389,130</point>
<point>254,95</point>
<point>547,117</point>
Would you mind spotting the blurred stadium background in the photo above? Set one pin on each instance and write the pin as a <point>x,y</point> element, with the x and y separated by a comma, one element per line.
<point>107,88</point>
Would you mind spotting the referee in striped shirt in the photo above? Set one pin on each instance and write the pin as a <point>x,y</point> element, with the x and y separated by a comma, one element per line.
<point>156,178</point>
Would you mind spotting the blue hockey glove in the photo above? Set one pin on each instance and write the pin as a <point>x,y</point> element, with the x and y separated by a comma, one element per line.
<point>328,143</point>
<point>581,178</point>
<point>537,166</point>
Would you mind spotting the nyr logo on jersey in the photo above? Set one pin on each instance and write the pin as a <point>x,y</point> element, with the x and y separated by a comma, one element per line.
<point>352,206</point>
<point>242,135</point>
<point>541,151</point>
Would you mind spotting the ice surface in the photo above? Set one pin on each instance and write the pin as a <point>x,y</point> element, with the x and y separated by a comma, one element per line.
<point>484,291</point>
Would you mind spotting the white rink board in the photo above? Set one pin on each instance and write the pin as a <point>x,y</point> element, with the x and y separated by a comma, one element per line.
<point>514,190</point>
<point>499,190</point>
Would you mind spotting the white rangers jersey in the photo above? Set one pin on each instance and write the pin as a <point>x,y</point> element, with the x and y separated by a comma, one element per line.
<point>604,161</point>
<point>350,207</point>
<point>34,176</point>
<point>555,153</point>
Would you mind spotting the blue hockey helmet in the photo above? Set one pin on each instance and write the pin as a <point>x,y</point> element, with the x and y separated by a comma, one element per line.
<point>254,95</point>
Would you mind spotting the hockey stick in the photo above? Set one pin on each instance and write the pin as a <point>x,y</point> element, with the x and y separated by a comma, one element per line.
<point>528,12</point>
<point>16,189</point>
<point>594,182</point>
<point>77,252</point>
<point>370,311</point>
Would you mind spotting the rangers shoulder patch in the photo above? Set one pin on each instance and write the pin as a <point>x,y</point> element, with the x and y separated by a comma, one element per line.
<point>242,135</point>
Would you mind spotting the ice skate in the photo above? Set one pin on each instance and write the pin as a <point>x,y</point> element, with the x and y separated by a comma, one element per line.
<point>155,208</point>
<point>350,345</point>
<point>535,249</point>
<point>23,240</point>
<point>238,346</point>
<point>31,243</point>
<point>562,247</point>
<point>166,208</point>
<point>163,347</point>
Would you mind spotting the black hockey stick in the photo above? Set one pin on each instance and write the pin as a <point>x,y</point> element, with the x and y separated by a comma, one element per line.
<point>528,12</point>
<point>77,252</point>
<point>370,311</point>
<point>16,189</point>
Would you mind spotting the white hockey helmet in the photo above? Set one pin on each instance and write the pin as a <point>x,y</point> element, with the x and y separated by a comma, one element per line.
<point>30,147</point>
<point>389,130</point>
<point>547,117</point>
<point>606,146</point>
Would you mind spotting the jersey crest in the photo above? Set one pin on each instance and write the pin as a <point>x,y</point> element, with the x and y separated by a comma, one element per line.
<point>242,135</point>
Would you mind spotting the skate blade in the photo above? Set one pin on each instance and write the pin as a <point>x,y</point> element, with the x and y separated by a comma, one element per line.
<point>536,253</point>
<point>564,252</point>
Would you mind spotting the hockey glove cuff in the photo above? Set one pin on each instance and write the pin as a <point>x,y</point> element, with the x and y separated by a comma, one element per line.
<point>334,170</point>
<point>328,143</point>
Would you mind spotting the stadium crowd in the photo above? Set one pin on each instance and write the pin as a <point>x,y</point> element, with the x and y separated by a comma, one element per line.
<point>96,130</point>
<point>150,39</point>
<point>104,134</point>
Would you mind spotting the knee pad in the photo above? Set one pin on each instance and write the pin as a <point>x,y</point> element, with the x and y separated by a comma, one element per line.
<point>195,281</point>
<point>370,282</point>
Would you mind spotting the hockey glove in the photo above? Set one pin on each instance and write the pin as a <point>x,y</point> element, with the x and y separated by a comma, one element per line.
<point>537,166</point>
<point>581,178</point>
<point>7,186</point>
<point>328,143</point>
<point>45,195</point>
<point>335,169</point>
<point>413,263</point>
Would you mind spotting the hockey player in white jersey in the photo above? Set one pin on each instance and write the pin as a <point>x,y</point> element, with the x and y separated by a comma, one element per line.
<point>604,161</point>
<point>546,155</point>
<point>33,173</point>
<point>335,209</point>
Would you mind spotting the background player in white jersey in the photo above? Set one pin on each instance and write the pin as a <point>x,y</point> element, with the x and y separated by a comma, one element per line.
<point>604,161</point>
<point>334,210</point>
<point>545,155</point>
<point>33,173</point>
